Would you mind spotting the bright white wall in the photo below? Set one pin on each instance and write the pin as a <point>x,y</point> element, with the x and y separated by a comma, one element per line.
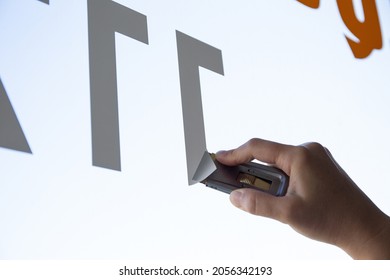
<point>290,76</point>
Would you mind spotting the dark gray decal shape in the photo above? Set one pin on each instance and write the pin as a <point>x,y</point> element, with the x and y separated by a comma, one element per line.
<point>11,133</point>
<point>106,17</point>
<point>193,54</point>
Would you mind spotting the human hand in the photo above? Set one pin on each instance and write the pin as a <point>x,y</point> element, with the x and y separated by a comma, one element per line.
<point>321,202</point>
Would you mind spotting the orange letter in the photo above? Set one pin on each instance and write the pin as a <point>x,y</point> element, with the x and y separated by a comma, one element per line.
<point>311,3</point>
<point>368,32</point>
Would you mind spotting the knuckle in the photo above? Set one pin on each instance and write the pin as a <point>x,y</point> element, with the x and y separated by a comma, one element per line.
<point>251,205</point>
<point>315,146</point>
<point>252,143</point>
<point>302,154</point>
<point>306,152</point>
<point>236,156</point>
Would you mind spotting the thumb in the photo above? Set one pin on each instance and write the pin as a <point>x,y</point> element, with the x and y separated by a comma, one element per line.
<point>258,203</point>
<point>263,150</point>
<point>233,157</point>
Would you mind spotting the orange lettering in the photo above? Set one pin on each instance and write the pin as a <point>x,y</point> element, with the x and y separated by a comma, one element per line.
<point>311,3</point>
<point>368,32</point>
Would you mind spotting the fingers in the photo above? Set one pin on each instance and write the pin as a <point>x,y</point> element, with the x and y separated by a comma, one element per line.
<point>258,203</point>
<point>263,150</point>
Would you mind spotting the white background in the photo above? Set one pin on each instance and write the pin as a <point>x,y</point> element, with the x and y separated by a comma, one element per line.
<point>290,76</point>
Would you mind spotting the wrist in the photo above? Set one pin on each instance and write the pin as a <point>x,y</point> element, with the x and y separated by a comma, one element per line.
<point>372,243</point>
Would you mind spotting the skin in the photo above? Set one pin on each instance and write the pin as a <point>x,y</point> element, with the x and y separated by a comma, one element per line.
<point>321,202</point>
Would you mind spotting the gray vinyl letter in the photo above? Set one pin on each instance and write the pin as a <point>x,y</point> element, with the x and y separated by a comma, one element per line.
<point>45,1</point>
<point>193,53</point>
<point>106,17</point>
<point>11,133</point>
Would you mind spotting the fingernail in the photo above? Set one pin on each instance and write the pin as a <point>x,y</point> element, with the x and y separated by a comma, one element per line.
<point>221,153</point>
<point>236,197</point>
